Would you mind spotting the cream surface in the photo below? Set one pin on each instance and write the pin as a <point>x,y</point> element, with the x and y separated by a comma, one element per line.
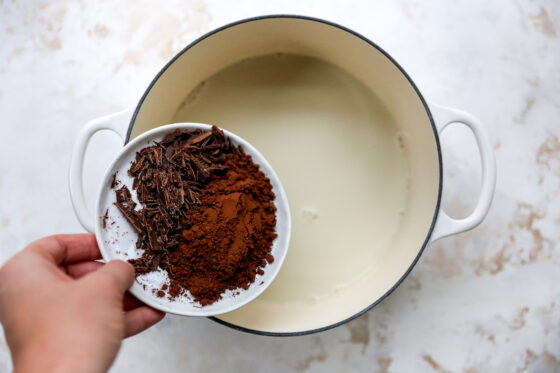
<point>336,152</point>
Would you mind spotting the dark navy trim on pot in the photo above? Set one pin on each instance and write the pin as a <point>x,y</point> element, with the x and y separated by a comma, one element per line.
<point>427,109</point>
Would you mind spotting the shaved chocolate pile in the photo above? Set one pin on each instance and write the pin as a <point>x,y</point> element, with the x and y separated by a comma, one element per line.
<point>168,178</point>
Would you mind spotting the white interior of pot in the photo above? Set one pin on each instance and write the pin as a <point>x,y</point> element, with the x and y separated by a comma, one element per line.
<point>394,252</point>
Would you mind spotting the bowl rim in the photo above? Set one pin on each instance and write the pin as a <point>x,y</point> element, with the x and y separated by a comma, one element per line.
<point>418,93</point>
<point>281,203</point>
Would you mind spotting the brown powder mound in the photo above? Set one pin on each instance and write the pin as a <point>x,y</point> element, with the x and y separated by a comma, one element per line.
<point>229,234</point>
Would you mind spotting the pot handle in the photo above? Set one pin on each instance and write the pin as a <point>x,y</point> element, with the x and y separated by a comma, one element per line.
<point>118,123</point>
<point>446,225</point>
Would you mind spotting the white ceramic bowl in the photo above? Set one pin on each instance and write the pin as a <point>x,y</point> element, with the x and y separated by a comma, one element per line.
<point>118,239</point>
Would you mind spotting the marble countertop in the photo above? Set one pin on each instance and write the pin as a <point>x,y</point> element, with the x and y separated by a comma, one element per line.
<point>486,300</point>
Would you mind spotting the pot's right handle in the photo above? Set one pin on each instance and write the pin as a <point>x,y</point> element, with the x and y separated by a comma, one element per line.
<point>446,225</point>
<point>117,123</point>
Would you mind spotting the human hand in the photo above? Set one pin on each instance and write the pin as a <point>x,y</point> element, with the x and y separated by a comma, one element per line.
<point>63,311</point>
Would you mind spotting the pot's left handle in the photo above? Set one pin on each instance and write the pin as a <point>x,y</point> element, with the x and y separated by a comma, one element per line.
<point>118,123</point>
<point>446,225</point>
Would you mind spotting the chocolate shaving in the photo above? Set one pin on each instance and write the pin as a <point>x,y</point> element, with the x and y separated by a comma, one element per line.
<point>105,217</point>
<point>114,181</point>
<point>199,138</point>
<point>130,215</point>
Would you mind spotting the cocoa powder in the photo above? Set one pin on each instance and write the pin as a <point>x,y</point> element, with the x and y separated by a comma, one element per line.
<point>229,234</point>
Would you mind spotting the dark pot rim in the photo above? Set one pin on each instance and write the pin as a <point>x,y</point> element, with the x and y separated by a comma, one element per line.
<point>426,108</point>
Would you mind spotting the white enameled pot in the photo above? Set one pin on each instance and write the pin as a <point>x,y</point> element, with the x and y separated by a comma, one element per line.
<point>353,140</point>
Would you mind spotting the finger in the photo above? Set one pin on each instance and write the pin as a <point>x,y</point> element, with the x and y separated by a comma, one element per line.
<point>67,248</point>
<point>140,319</point>
<point>119,274</point>
<point>130,302</point>
<point>77,270</point>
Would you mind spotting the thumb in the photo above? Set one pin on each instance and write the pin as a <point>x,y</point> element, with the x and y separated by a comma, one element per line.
<point>116,275</point>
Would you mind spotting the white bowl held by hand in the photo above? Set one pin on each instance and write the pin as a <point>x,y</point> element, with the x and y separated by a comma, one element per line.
<point>118,239</point>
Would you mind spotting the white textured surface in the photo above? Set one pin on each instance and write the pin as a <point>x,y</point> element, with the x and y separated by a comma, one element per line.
<point>487,300</point>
